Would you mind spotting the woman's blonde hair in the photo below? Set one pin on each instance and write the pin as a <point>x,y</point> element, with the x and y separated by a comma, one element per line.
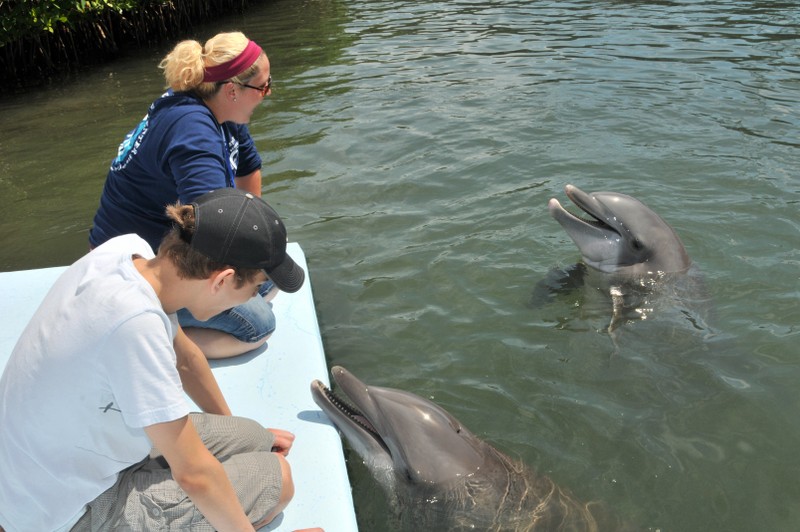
<point>192,264</point>
<point>184,66</point>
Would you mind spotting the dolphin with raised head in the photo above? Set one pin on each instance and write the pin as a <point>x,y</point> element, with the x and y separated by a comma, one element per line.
<point>631,258</point>
<point>622,234</point>
<point>438,474</point>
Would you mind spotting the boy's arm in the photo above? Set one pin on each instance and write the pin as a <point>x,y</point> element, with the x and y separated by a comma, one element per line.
<point>198,381</point>
<point>199,473</point>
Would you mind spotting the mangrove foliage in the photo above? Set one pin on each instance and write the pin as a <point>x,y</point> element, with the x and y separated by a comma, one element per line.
<point>41,40</point>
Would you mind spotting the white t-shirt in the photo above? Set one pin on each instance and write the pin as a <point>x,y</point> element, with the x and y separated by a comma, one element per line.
<point>93,367</point>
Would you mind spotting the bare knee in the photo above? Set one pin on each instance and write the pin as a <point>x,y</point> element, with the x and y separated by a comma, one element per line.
<point>287,483</point>
<point>269,296</point>
<point>218,344</point>
<point>287,491</point>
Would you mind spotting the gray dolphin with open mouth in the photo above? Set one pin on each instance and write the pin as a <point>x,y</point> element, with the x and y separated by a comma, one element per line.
<point>621,235</point>
<point>631,258</point>
<point>437,473</point>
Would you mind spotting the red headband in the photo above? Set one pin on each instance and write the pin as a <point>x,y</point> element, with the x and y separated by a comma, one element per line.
<point>235,66</point>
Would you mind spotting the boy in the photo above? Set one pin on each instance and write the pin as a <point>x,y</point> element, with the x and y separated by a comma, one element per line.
<point>95,430</point>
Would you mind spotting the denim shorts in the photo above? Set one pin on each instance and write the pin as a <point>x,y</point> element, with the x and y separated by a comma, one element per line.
<point>248,322</point>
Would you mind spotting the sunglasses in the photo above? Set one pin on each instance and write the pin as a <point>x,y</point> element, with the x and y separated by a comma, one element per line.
<point>263,90</point>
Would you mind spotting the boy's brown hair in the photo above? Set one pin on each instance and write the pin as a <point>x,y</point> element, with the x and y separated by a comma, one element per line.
<point>192,264</point>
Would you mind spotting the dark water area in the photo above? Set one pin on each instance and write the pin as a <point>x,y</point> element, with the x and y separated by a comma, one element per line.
<point>412,148</point>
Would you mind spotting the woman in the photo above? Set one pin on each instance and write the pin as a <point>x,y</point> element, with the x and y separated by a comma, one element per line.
<point>194,139</point>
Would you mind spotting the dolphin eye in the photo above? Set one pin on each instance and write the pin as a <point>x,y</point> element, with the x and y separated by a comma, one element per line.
<point>637,244</point>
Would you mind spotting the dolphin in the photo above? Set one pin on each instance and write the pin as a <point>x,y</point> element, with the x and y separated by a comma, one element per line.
<point>631,258</point>
<point>438,474</point>
<point>622,234</point>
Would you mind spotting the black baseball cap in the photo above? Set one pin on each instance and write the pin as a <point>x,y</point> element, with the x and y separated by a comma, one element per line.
<point>239,229</point>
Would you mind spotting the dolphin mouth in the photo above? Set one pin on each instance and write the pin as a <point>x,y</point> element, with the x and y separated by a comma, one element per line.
<point>599,238</point>
<point>342,410</point>
<point>347,409</point>
<point>596,225</point>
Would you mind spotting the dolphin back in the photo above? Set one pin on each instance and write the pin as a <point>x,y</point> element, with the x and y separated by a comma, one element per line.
<point>505,495</point>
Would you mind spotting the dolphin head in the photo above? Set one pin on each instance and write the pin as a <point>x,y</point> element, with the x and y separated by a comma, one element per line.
<point>622,235</point>
<point>393,429</point>
<point>441,475</point>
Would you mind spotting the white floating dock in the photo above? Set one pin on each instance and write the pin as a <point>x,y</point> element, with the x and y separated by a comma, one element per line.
<point>269,385</point>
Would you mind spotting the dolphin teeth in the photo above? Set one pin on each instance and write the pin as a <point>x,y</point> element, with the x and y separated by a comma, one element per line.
<point>592,219</point>
<point>597,222</point>
<point>352,412</point>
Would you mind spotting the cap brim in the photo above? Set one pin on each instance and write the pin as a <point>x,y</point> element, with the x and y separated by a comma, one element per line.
<point>287,275</point>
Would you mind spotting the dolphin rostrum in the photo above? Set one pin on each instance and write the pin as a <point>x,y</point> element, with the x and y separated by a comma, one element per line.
<point>440,475</point>
<point>622,235</point>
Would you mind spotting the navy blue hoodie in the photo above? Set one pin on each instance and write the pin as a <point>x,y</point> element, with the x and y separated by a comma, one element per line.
<point>177,152</point>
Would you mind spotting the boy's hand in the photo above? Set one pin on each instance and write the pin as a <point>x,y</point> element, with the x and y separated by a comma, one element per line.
<point>283,441</point>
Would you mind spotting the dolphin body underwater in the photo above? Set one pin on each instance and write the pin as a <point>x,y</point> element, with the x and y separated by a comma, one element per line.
<point>438,474</point>
<point>631,258</point>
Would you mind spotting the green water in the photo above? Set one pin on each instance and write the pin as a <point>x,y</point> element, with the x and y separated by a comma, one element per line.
<point>412,148</point>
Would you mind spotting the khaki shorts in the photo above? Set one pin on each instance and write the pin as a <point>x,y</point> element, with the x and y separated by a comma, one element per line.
<point>145,496</point>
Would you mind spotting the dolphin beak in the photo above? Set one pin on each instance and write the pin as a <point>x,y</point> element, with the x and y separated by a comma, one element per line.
<point>580,230</point>
<point>344,409</point>
<point>596,238</point>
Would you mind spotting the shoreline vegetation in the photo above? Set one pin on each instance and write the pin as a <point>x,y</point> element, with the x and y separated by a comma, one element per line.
<point>42,41</point>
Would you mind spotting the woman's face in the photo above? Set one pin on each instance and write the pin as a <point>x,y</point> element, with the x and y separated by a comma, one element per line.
<point>251,94</point>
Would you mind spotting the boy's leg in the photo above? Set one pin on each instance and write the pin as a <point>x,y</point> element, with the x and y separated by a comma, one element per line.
<point>146,497</point>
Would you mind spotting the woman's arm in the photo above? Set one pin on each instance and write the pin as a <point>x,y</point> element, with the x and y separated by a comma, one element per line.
<point>250,183</point>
